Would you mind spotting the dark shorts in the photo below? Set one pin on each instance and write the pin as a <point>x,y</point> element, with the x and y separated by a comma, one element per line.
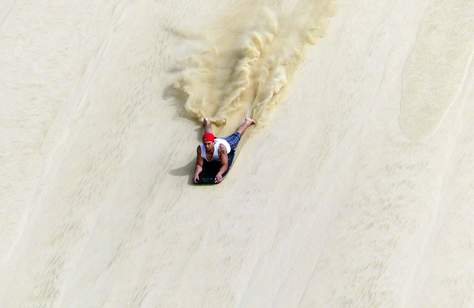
<point>233,140</point>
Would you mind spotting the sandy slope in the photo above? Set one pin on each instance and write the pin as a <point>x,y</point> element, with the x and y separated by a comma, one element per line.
<point>357,192</point>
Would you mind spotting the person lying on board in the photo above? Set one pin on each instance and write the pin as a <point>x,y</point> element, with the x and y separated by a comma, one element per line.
<point>215,155</point>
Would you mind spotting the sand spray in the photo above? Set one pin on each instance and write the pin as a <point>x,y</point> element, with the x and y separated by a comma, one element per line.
<point>248,60</point>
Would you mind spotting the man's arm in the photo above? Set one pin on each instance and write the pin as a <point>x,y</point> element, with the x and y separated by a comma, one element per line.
<point>224,159</point>
<point>198,167</point>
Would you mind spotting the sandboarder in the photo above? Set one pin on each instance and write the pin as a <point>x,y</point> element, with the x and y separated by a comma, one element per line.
<point>215,155</point>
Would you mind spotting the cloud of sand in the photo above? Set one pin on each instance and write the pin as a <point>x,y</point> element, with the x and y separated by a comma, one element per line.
<point>248,59</point>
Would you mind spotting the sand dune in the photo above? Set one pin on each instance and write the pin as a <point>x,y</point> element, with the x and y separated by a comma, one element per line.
<point>354,191</point>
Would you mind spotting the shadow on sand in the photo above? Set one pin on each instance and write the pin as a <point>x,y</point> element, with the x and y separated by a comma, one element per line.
<point>186,170</point>
<point>178,98</point>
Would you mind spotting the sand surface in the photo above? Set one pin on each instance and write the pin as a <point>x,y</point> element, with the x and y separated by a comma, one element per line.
<point>355,189</point>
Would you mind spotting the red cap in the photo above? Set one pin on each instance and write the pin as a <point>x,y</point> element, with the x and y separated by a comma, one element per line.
<point>208,137</point>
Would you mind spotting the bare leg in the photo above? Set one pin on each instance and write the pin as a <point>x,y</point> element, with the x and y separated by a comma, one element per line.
<point>207,125</point>
<point>247,123</point>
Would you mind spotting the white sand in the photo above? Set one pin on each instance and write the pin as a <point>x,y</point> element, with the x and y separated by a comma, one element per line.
<point>357,192</point>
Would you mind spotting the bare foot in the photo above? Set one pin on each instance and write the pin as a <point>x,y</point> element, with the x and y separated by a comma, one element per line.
<point>246,124</point>
<point>250,121</point>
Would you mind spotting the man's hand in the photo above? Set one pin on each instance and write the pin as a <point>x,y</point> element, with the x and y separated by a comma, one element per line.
<point>196,178</point>
<point>223,158</point>
<point>218,178</point>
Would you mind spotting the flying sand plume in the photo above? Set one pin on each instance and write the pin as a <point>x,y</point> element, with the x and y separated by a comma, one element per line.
<point>246,70</point>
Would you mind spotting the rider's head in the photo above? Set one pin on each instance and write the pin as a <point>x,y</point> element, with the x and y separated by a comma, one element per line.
<point>208,140</point>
